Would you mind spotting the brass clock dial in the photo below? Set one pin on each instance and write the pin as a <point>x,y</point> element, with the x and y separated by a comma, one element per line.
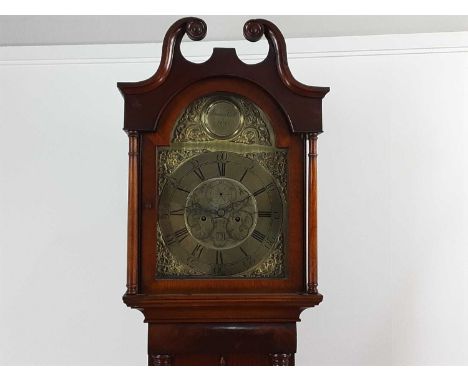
<point>222,187</point>
<point>220,213</point>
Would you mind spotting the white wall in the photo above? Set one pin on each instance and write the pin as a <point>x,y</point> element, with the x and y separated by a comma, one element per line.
<point>392,201</point>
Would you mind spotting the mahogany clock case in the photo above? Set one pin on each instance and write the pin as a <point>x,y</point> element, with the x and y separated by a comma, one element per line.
<point>221,320</point>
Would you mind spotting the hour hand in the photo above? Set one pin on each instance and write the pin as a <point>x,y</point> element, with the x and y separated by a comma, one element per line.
<point>195,209</point>
<point>198,209</point>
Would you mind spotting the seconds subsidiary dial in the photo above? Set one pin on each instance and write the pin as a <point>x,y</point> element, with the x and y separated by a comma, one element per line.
<point>220,213</point>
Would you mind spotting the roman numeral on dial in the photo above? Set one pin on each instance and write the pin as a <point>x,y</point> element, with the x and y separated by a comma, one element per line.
<point>264,214</point>
<point>198,172</point>
<point>197,251</point>
<point>219,258</point>
<point>218,268</point>
<point>181,234</point>
<point>222,169</point>
<point>180,211</point>
<point>222,160</point>
<point>258,236</point>
<point>170,239</point>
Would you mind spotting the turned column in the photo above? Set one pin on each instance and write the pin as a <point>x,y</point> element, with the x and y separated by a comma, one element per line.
<point>132,238</point>
<point>312,215</point>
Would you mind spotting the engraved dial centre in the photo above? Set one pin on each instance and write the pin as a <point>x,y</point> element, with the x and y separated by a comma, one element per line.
<point>220,213</point>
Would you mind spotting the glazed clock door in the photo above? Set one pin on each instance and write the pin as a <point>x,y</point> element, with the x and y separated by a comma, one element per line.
<point>222,194</point>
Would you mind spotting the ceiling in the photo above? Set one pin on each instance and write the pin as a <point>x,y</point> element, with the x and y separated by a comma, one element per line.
<point>64,30</point>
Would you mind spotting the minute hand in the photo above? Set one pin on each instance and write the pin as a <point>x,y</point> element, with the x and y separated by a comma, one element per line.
<point>238,203</point>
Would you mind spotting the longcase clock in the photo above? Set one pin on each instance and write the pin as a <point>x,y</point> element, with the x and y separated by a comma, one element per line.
<point>222,167</point>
